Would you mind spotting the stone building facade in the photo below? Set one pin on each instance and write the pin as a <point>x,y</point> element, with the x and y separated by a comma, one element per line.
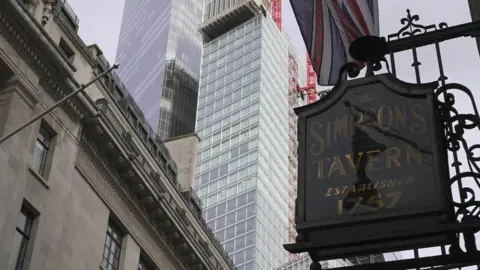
<point>88,186</point>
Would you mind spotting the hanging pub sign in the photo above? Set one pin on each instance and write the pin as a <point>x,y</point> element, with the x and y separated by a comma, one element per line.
<point>372,170</point>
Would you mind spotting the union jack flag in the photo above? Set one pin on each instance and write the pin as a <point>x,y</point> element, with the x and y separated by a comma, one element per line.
<point>329,27</point>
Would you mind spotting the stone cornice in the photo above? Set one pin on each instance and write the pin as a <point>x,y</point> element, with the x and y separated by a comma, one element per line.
<point>73,37</point>
<point>170,214</point>
<point>42,54</point>
<point>28,93</point>
<point>95,170</point>
<point>126,103</point>
<point>198,225</point>
<point>18,85</point>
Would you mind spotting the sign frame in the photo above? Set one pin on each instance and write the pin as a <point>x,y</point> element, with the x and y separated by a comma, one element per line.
<point>383,232</point>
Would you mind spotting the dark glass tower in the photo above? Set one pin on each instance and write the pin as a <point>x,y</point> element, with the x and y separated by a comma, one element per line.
<point>159,50</point>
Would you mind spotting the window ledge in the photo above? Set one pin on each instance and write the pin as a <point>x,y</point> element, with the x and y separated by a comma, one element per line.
<point>39,178</point>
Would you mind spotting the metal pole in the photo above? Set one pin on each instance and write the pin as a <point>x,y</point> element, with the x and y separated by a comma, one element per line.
<point>58,103</point>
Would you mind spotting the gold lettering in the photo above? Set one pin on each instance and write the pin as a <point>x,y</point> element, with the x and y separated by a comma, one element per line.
<point>383,183</point>
<point>317,148</point>
<point>329,131</point>
<point>370,186</point>
<point>391,182</point>
<point>353,165</point>
<point>320,166</point>
<point>421,126</point>
<point>340,127</point>
<point>392,155</point>
<point>393,158</point>
<point>336,165</point>
<point>355,206</point>
<point>400,116</point>
<point>371,159</point>
<point>404,116</point>
<point>380,118</point>
<point>395,197</point>
<point>414,153</point>
<point>375,200</point>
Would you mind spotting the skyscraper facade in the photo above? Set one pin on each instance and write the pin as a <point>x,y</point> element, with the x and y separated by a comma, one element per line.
<point>242,119</point>
<point>159,50</point>
<point>304,261</point>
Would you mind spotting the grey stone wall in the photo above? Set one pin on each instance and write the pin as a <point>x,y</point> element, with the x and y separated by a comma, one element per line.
<point>183,150</point>
<point>78,193</point>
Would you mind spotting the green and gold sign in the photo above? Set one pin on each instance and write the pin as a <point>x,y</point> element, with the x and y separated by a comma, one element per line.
<point>370,151</point>
<point>365,152</point>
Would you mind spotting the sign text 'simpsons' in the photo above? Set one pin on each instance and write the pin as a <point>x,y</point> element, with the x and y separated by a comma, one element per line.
<point>372,170</point>
<point>368,153</point>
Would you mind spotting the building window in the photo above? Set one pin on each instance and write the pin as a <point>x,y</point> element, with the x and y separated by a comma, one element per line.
<point>41,151</point>
<point>66,50</point>
<point>21,239</point>
<point>143,265</point>
<point>113,245</point>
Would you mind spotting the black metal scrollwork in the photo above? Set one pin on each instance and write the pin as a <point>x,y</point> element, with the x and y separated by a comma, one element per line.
<point>465,177</point>
<point>411,28</point>
<point>456,124</point>
<point>352,69</point>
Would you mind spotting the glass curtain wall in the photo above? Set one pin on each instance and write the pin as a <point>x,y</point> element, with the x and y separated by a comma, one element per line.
<point>242,159</point>
<point>159,50</point>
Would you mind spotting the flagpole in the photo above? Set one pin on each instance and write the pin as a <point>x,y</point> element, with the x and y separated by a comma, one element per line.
<point>58,103</point>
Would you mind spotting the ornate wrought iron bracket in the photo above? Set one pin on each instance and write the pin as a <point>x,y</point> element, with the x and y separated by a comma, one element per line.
<point>372,50</point>
<point>456,124</point>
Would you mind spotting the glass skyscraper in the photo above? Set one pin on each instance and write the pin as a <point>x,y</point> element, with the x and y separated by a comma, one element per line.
<point>303,263</point>
<point>159,50</point>
<point>242,119</point>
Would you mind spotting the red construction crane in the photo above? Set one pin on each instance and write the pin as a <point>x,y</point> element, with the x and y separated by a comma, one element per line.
<point>311,97</point>
<point>311,87</point>
<point>277,13</point>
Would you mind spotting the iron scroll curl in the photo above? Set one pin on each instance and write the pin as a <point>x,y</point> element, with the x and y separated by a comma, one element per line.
<point>456,124</point>
<point>411,28</point>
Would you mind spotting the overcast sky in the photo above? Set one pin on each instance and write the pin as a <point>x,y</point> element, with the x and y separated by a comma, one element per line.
<point>100,23</point>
